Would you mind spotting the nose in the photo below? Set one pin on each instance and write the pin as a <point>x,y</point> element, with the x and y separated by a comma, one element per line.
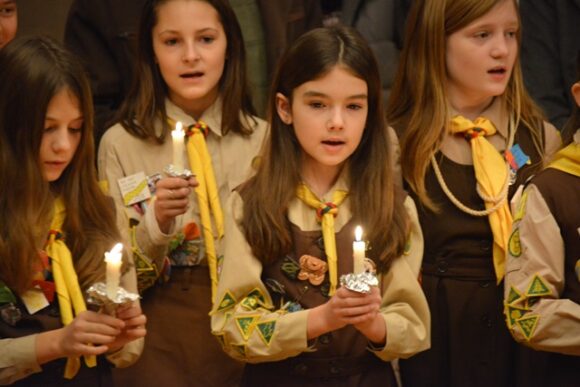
<point>500,47</point>
<point>191,52</point>
<point>335,119</point>
<point>62,141</point>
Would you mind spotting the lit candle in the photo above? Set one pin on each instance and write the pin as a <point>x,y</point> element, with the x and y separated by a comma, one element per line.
<point>358,251</point>
<point>178,136</point>
<point>113,259</point>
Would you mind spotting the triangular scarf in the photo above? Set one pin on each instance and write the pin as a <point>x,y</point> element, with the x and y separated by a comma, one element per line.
<point>70,297</point>
<point>568,159</point>
<point>325,212</point>
<point>492,178</point>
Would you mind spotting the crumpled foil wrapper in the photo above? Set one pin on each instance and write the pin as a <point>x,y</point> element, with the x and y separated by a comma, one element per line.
<point>174,172</point>
<point>361,283</point>
<point>97,296</point>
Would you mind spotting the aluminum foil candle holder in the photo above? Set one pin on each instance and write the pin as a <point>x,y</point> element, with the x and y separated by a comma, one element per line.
<point>97,296</point>
<point>173,171</point>
<point>361,282</point>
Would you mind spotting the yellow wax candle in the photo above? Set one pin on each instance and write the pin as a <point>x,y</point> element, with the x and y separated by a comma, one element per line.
<point>178,136</point>
<point>358,251</point>
<point>113,259</point>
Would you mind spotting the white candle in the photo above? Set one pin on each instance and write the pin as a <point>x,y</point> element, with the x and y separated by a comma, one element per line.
<point>113,259</point>
<point>358,251</point>
<point>178,136</point>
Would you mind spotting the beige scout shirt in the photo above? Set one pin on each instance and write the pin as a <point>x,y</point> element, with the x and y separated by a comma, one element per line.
<point>18,356</point>
<point>458,150</point>
<point>403,307</point>
<point>121,154</point>
<point>557,328</point>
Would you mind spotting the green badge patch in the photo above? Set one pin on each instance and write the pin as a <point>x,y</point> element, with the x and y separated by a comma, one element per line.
<point>514,245</point>
<point>227,301</point>
<point>6,295</point>
<point>407,247</point>
<point>241,349</point>
<point>538,287</point>
<point>513,313</point>
<point>266,330</point>
<point>290,268</point>
<point>246,325</point>
<point>257,293</point>
<point>221,337</point>
<point>528,325</point>
<point>513,296</point>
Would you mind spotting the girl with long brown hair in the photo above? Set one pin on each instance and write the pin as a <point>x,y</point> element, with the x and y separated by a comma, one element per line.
<point>470,135</point>
<point>57,224</point>
<point>327,166</point>
<point>190,68</point>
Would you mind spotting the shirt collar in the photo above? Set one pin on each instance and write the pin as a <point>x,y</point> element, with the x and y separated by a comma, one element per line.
<point>212,116</point>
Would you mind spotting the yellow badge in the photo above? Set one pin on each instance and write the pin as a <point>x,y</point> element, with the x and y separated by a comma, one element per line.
<point>221,337</point>
<point>521,210</point>
<point>513,313</point>
<point>240,348</point>
<point>514,246</point>
<point>577,268</point>
<point>513,296</point>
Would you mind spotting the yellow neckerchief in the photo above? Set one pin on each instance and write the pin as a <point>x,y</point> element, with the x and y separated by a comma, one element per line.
<point>568,159</point>
<point>70,297</point>
<point>207,194</point>
<point>492,178</point>
<point>325,212</point>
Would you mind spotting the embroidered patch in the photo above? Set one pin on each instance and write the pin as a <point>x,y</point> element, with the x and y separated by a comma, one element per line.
<point>266,330</point>
<point>516,157</point>
<point>513,314</point>
<point>514,246</point>
<point>227,301</point>
<point>246,325</point>
<point>257,293</point>
<point>275,286</point>
<point>241,349</point>
<point>577,268</point>
<point>528,325</point>
<point>221,337</point>
<point>291,306</point>
<point>312,269</point>
<point>407,249</point>
<point>521,210</point>
<point>513,296</point>
<point>538,287</point>
<point>290,268</point>
<point>531,301</point>
<point>250,303</point>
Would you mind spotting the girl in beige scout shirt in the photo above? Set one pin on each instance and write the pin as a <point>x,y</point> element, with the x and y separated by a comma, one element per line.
<point>328,160</point>
<point>191,68</point>
<point>459,80</point>
<point>542,292</point>
<point>55,229</point>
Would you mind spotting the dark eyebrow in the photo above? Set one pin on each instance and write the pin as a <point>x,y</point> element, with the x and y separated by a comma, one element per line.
<point>319,94</point>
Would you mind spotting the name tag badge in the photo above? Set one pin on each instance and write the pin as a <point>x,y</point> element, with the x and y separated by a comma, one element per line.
<point>34,300</point>
<point>134,188</point>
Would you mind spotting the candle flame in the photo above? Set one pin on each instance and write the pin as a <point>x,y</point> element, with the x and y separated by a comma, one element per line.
<point>358,233</point>
<point>115,254</point>
<point>178,130</point>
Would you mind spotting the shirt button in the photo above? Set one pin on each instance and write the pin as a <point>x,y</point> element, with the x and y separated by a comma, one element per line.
<point>442,266</point>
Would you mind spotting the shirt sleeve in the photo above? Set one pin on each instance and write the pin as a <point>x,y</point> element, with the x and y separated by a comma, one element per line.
<point>535,279</point>
<point>276,334</point>
<point>404,306</point>
<point>17,359</point>
<point>148,237</point>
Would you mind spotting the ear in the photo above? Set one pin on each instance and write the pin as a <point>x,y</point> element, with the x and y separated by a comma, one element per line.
<point>283,108</point>
<point>576,93</point>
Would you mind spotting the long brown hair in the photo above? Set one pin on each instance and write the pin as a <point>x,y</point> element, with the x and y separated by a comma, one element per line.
<point>32,71</point>
<point>145,101</point>
<point>417,104</point>
<point>374,200</point>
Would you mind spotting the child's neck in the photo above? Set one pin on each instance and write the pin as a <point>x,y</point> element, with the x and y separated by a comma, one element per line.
<point>320,179</point>
<point>471,109</point>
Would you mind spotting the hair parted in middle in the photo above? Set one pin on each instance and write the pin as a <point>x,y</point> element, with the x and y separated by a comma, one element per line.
<point>418,103</point>
<point>32,71</point>
<point>145,101</point>
<point>375,200</point>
